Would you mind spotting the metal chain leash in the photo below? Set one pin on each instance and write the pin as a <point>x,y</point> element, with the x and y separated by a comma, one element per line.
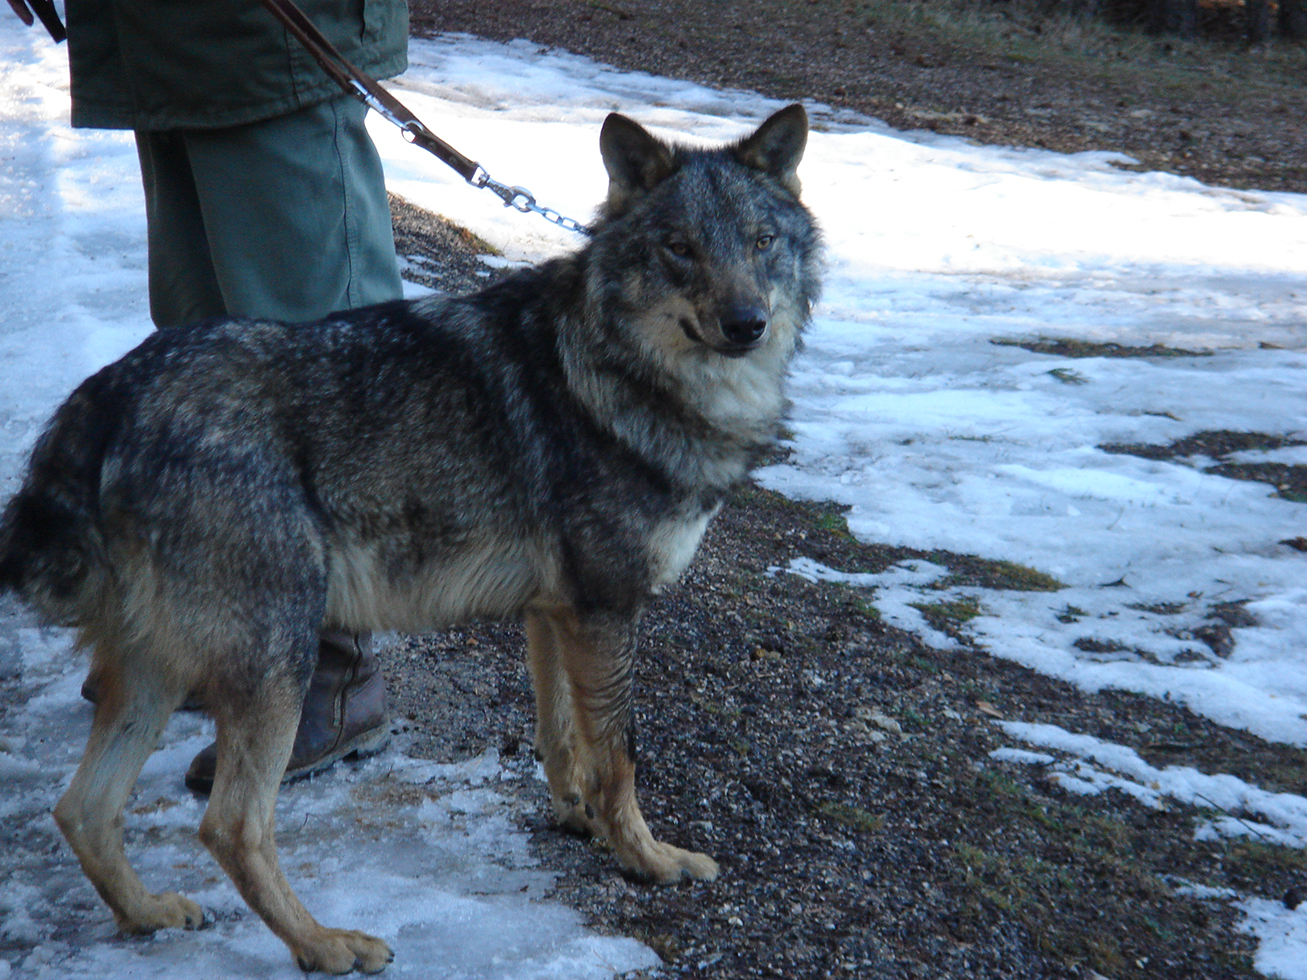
<point>513,197</point>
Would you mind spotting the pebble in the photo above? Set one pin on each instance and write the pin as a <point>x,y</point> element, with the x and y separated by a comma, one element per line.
<point>873,716</point>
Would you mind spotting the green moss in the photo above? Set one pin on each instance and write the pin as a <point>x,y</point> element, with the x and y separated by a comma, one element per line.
<point>1071,347</point>
<point>990,574</point>
<point>960,610</point>
<point>836,523</point>
<point>855,818</point>
<point>1250,862</point>
<point>865,608</point>
<point>1019,578</point>
<point>1030,886</point>
<point>1069,377</point>
<point>948,617</point>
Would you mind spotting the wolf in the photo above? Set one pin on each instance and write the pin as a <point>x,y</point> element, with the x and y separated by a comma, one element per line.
<point>551,448</point>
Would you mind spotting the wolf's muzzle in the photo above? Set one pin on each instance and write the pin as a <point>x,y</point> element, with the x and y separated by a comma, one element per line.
<point>743,328</point>
<point>744,325</point>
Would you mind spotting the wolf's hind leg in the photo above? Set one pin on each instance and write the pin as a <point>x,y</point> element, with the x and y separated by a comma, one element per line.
<point>130,714</point>
<point>593,658</point>
<point>254,744</point>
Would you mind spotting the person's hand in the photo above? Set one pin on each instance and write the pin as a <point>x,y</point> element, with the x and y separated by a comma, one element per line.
<point>45,10</point>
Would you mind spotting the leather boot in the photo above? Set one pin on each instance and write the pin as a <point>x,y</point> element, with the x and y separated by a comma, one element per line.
<point>344,713</point>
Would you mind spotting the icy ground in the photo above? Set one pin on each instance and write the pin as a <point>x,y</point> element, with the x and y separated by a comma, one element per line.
<point>904,410</point>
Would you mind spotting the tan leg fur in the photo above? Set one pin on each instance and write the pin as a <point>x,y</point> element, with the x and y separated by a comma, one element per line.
<point>582,676</point>
<point>126,729</point>
<point>254,746</point>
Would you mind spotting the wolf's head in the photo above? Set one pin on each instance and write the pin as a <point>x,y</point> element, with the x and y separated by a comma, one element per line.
<point>713,254</point>
<point>699,279</point>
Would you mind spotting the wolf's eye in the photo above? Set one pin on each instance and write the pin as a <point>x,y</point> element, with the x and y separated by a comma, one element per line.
<point>679,248</point>
<point>764,242</point>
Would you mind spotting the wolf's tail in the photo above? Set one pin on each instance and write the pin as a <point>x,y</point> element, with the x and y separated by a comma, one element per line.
<point>51,544</point>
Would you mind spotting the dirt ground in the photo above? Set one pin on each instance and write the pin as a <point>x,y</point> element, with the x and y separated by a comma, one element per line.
<point>837,768</point>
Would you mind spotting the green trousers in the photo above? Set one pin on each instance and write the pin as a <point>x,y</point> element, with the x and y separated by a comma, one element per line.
<point>286,218</point>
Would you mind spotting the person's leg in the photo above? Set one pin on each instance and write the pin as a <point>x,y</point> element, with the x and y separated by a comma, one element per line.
<point>182,285</point>
<point>182,282</point>
<point>296,213</point>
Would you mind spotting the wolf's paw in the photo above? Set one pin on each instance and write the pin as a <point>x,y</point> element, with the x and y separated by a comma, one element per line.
<point>663,864</point>
<point>576,816</point>
<point>164,911</point>
<point>341,951</point>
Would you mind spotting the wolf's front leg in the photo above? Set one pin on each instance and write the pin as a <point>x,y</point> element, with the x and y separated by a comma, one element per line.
<point>556,742</point>
<point>582,669</point>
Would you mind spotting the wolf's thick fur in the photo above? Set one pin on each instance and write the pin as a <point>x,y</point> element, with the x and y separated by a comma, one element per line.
<point>551,448</point>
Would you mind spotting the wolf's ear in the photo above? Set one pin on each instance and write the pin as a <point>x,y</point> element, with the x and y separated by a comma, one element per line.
<point>777,146</point>
<point>636,161</point>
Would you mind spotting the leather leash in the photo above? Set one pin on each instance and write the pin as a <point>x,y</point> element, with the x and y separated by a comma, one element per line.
<point>376,98</point>
<point>46,11</point>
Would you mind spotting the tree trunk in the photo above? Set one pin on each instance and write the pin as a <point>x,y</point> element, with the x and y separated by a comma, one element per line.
<point>1293,19</point>
<point>1085,9</point>
<point>1259,19</point>
<point>1173,17</point>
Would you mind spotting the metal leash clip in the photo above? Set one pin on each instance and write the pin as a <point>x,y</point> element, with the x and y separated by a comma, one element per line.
<point>513,197</point>
<point>410,128</point>
<point>523,200</point>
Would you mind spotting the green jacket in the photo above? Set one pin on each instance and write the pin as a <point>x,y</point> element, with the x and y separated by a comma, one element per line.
<point>200,64</point>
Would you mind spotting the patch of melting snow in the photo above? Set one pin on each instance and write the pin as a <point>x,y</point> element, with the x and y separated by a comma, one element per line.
<point>1281,937</point>
<point>1095,765</point>
<point>896,589</point>
<point>1088,765</point>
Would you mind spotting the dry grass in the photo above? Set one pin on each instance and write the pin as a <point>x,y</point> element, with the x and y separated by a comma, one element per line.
<point>1047,33</point>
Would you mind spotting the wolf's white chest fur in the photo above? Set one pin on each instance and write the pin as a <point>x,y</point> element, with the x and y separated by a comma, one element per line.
<point>673,544</point>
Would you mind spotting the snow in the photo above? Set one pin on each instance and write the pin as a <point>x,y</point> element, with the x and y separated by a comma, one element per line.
<point>1100,765</point>
<point>904,410</point>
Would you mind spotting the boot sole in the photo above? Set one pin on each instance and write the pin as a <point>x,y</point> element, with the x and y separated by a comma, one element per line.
<point>361,746</point>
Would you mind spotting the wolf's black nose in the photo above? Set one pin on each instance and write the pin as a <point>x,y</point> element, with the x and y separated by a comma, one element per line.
<point>744,325</point>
